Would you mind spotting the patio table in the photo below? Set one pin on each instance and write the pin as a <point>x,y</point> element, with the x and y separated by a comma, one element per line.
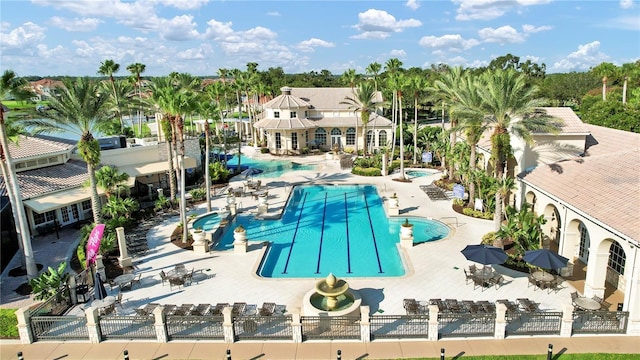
<point>587,303</point>
<point>542,276</point>
<point>103,304</point>
<point>177,273</point>
<point>123,280</point>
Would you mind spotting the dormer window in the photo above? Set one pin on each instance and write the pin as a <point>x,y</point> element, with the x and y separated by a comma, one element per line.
<point>276,114</point>
<point>294,114</point>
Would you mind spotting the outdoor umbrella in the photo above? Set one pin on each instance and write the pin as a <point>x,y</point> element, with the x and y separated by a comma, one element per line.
<point>545,259</point>
<point>98,287</point>
<point>251,171</point>
<point>484,254</point>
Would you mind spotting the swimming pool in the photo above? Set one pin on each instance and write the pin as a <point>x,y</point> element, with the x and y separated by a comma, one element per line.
<point>420,172</point>
<point>208,222</point>
<point>342,229</point>
<point>270,168</point>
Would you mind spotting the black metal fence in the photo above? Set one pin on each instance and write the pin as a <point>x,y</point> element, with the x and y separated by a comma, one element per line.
<point>195,327</point>
<point>263,327</point>
<point>127,327</point>
<point>466,324</point>
<point>59,328</point>
<point>399,326</point>
<point>534,323</point>
<point>330,328</point>
<point>600,322</point>
<point>56,305</point>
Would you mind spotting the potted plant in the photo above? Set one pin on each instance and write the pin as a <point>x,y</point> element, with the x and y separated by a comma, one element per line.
<point>406,229</point>
<point>393,201</point>
<point>198,235</point>
<point>240,239</point>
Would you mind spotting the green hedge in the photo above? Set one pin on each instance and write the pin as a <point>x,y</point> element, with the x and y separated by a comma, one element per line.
<point>477,214</point>
<point>366,171</point>
<point>8,324</point>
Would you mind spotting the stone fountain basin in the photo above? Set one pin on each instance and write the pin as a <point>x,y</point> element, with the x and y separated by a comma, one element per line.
<point>309,310</point>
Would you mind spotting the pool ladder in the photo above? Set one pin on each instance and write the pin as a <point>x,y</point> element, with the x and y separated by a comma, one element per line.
<point>450,217</point>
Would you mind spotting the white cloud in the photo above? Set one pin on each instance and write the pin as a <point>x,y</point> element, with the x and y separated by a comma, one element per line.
<point>412,4</point>
<point>490,9</point>
<point>450,42</point>
<point>502,35</point>
<point>218,30</point>
<point>179,28</point>
<point>76,24</point>
<point>273,13</point>
<point>311,44</point>
<point>399,53</point>
<point>585,57</point>
<point>530,29</point>
<point>626,4</point>
<point>182,4</point>
<point>23,36</point>
<point>379,24</point>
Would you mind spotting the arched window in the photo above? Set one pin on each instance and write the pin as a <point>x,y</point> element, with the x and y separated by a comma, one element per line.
<point>617,258</point>
<point>370,138</point>
<point>382,138</point>
<point>321,136</point>
<point>351,136</point>
<point>336,131</point>
<point>584,243</point>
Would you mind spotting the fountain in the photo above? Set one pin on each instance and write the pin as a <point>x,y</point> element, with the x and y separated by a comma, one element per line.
<point>332,297</point>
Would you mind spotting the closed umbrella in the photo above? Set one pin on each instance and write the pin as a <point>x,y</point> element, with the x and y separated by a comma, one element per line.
<point>251,171</point>
<point>99,290</point>
<point>545,259</point>
<point>484,254</point>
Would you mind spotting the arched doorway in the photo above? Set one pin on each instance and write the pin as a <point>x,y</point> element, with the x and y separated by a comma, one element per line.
<point>336,135</point>
<point>552,228</point>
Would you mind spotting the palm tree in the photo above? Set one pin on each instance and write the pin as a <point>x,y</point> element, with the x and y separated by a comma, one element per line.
<point>364,100</point>
<point>82,109</point>
<point>402,83</point>
<point>374,70</point>
<point>349,77</point>
<point>137,69</point>
<point>223,73</point>
<point>19,88</point>
<point>417,86</point>
<point>108,68</point>
<point>111,180</point>
<point>393,68</point>
<point>239,80</point>
<point>209,106</point>
<point>505,185</point>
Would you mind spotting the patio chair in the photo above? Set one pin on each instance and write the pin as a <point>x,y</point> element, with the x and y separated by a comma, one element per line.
<point>238,308</point>
<point>136,281</point>
<point>411,306</point>
<point>163,277</point>
<point>478,282</point>
<point>183,310</point>
<point>119,299</point>
<point>188,278</point>
<point>217,310</point>
<point>488,307</point>
<point>534,282</point>
<point>574,296</point>
<point>180,267</point>
<point>438,302</point>
<point>468,277</point>
<point>453,305</point>
<point>170,309</point>
<point>175,282</point>
<point>267,309</point>
<point>555,284</point>
<point>497,280</point>
<point>473,269</point>
<point>201,309</point>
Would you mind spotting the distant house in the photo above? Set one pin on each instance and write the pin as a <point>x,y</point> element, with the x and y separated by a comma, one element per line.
<point>314,117</point>
<point>45,88</point>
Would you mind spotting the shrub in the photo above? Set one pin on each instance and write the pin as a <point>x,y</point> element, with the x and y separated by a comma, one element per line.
<point>264,150</point>
<point>304,151</point>
<point>477,214</point>
<point>489,237</point>
<point>366,171</point>
<point>8,323</point>
<point>458,202</point>
<point>198,194</point>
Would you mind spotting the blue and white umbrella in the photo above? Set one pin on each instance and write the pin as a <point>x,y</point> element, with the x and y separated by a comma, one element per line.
<point>545,259</point>
<point>99,290</point>
<point>251,171</point>
<point>484,254</point>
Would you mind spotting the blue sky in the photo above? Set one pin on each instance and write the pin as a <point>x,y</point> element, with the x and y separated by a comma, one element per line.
<point>72,37</point>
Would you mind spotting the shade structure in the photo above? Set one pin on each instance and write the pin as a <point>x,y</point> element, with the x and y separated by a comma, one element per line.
<point>545,259</point>
<point>484,254</point>
<point>251,171</point>
<point>99,291</point>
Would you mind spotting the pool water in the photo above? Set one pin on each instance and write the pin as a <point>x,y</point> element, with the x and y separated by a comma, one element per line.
<point>326,229</point>
<point>207,223</point>
<point>420,173</point>
<point>270,168</point>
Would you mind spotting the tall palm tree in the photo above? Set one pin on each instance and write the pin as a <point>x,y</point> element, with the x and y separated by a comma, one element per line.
<point>448,87</point>
<point>238,86</point>
<point>402,83</point>
<point>108,68</point>
<point>364,101</point>
<point>209,106</point>
<point>20,89</point>
<point>223,74</point>
<point>373,69</point>
<point>416,87</point>
<point>82,109</point>
<point>505,185</point>
<point>111,180</point>
<point>350,78</point>
<point>137,69</point>
<point>393,67</point>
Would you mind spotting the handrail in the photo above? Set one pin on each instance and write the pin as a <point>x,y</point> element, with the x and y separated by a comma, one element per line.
<point>451,217</point>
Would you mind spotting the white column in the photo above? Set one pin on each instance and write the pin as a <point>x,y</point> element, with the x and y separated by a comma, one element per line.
<point>24,325</point>
<point>227,326</point>
<point>631,298</point>
<point>296,326</point>
<point>123,259</point>
<point>92,325</point>
<point>159,324</point>
<point>365,325</point>
<point>596,273</point>
<point>433,322</point>
<point>501,321</point>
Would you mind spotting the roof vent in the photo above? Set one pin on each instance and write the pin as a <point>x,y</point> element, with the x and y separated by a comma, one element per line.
<point>285,90</point>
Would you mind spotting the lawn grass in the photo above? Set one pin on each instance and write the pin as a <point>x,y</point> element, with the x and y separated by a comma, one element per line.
<point>8,324</point>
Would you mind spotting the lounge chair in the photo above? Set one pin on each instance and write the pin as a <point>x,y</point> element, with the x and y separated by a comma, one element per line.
<point>238,308</point>
<point>267,309</point>
<point>411,306</point>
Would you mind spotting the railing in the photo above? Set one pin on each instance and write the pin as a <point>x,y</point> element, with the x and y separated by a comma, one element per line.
<point>127,327</point>
<point>600,322</point>
<point>450,217</point>
<point>58,304</point>
<point>329,328</point>
<point>59,328</point>
<point>195,327</point>
<point>464,324</point>
<point>534,323</point>
<point>263,327</point>
<point>399,326</point>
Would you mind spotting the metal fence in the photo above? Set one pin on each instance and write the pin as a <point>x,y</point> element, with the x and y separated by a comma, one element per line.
<point>56,305</point>
<point>195,327</point>
<point>329,328</point>
<point>465,324</point>
<point>59,328</point>
<point>263,327</point>
<point>533,323</point>
<point>399,326</point>
<point>127,327</point>
<point>600,322</point>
